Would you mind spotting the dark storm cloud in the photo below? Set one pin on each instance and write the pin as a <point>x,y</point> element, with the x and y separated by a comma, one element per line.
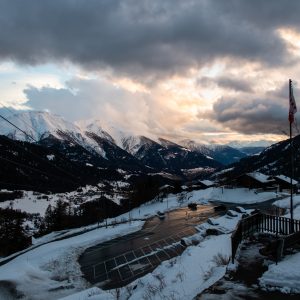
<point>234,84</point>
<point>143,36</point>
<point>251,116</point>
<point>227,83</point>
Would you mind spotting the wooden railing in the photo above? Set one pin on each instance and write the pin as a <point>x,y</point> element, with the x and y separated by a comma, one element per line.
<point>265,223</point>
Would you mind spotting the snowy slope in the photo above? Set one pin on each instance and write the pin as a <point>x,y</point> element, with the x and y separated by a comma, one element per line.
<point>112,144</point>
<point>36,124</point>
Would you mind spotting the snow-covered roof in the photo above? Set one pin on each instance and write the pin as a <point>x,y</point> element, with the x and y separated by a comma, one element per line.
<point>286,179</point>
<point>207,182</point>
<point>166,186</point>
<point>259,177</point>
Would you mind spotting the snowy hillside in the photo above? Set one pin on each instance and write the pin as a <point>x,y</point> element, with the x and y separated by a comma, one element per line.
<point>273,160</point>
<point>119,149</point>
<point>37,124</point>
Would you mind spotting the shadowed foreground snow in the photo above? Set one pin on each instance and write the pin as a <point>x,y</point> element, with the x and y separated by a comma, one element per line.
<point>51,271</point>
<point>285,276</point>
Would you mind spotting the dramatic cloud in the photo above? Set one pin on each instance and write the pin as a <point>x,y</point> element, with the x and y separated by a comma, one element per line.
<point>203,69</point>
<point>228,82</point>
<point>115,106</point>
<point>250,115</point>
<point>144,36</point>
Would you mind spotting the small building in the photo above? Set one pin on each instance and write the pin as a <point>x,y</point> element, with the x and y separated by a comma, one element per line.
<point>284,182</point>
<point>166,188</point>
<point>255,180</point>
<point>206,184</point>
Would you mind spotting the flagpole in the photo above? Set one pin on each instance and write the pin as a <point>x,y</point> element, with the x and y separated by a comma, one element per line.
<point>292,165</point>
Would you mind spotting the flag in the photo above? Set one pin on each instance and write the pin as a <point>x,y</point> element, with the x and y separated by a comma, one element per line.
<point>293,107</point>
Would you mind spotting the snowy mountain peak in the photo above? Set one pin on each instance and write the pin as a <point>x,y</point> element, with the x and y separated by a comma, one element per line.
<point>97,129</point>
<point>36,124</point>
<point>166,143</point>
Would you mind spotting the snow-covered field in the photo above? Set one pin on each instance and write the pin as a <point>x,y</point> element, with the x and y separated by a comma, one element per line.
<point>51,271</point>
<point>36,203</point>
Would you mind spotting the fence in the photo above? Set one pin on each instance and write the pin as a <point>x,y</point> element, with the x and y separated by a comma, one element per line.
<point>264,223</point>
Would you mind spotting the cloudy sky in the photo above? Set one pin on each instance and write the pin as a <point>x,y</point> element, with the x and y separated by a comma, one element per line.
<point>209,70</point>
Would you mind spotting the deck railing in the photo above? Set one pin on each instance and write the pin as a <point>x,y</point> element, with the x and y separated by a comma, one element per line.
<point>265,223</point>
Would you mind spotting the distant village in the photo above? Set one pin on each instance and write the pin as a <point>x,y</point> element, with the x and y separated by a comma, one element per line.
<point>252,180</point>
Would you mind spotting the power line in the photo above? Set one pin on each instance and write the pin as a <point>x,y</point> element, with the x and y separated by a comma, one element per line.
<point>18,185</point>
<point>17,116</point>
<point>53,165</point>
<point>18,128</point>
<point>42,159</point>
<point>71,139</point>
<point>34,169</point>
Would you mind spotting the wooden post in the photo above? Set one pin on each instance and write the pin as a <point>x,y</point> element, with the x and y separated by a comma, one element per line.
<point>292,158</point>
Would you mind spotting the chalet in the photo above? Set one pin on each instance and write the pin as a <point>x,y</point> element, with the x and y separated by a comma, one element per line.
<point>166,188</point>
<point>199,185</point>
<point>255,180</point>
<point>284,182</point>
<point>206,184</point>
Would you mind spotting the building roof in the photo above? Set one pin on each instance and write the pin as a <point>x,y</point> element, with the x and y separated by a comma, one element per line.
<point>207,182</point>
<point>259,177</point>
<point>286,179</point>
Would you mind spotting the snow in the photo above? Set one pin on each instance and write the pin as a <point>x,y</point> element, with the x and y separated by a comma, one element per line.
<point>51,156</point>
<point>37,124</point>
<point>238,195</point>
<point>222,172</point>
<point>285,203</point>
<point>259,177</point>
<point>51,271</point>
<point>285,276</point>
<point>287,179</point>
<point>90,294</point>
<point>96,128</point>
<point>40,273</point>
<point>30,203</point>
<point>207,182</point>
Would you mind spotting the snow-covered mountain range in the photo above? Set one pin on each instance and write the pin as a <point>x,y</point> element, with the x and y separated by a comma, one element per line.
<point>90,144</point>
<point>92,137</point>
<point>273,160</point>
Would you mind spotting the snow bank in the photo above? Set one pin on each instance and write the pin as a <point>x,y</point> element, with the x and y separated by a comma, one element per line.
<point>285,203</point>
<point>285,276</point>
<point>51,271</point>
<point>91,294</point>
<point>185,276</point>
<point>238,195</point>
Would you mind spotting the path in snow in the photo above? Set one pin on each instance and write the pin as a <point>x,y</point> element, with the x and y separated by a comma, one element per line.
<point>242,284</point>
<point>120,261</point>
